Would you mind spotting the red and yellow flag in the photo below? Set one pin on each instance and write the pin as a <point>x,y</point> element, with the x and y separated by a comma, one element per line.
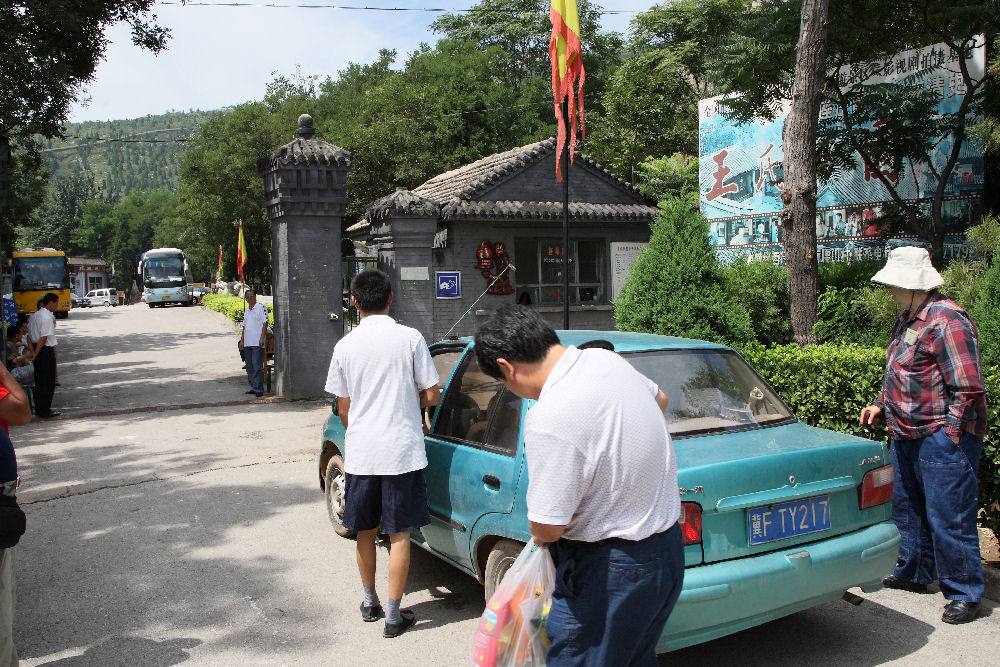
<point>567,65</point>
<point>241,253</point>
<point>220,259</point>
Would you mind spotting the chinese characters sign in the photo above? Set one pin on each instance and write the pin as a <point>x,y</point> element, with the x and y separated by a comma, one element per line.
<point>740,170</point>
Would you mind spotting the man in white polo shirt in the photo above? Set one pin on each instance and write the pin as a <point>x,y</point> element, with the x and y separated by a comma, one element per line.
<point>252,342</point>
<point>42,332</point>
<point>383,375</point>
<point>602,488</point>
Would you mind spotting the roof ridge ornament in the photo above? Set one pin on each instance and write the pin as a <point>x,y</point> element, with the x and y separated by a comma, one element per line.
<point>306,129</point>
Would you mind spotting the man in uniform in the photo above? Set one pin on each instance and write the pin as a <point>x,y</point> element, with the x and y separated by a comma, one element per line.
<point>933,402</point>
<point>602,489</point>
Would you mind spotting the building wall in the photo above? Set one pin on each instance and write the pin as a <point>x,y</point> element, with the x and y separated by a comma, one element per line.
<point>464,239</point>
<point>537,183</point>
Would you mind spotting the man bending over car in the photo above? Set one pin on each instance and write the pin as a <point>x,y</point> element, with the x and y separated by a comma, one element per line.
<point>602,489</point>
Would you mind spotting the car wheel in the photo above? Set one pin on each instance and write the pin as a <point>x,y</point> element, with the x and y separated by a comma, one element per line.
<point>501,557</point>
<point>107,303</point>
<point>336,485</point>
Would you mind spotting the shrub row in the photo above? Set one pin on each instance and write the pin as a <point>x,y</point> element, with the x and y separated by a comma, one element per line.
<point>828,385</point>
<point>232,306</point>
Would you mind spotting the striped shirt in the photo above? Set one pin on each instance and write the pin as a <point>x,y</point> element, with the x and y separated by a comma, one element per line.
<point>932,373</point>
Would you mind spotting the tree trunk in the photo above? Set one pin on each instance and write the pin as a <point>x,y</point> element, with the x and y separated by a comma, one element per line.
<point>799,195</point>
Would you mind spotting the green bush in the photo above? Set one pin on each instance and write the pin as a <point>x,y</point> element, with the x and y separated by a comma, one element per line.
<point>989,463</point>
<point>828,386</point>
<point>962,282</point>
<point>232,306</point>
<point>853,315</point>
<point>856,274</point>
<point>986,313</point>
<point>676,286</point>
<point>761,287</point>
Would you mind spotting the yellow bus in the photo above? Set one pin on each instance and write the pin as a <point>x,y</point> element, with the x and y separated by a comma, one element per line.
<point>36,272</point>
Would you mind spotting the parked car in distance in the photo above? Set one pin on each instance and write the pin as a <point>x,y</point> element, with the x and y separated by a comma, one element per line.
<point>102,297</point>
<point>777,516</point>
<point>197,292</point>
<point>77,301</point>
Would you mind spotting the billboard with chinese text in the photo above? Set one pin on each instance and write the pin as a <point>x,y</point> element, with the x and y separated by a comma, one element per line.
<point>740,173</point>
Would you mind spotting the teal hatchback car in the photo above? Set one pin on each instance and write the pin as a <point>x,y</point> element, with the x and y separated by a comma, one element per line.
<point>777,516</point>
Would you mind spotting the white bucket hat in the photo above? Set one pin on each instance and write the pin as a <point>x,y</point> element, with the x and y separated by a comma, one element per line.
<point>909,267</point>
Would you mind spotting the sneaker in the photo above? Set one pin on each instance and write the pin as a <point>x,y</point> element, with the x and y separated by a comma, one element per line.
<point>251,391</point>
<point>960,611</point>
<point>370,614</point>
<point>396,629</point>
<point>892,581</point>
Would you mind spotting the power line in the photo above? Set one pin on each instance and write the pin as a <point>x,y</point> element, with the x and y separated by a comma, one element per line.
<point>359,8</point>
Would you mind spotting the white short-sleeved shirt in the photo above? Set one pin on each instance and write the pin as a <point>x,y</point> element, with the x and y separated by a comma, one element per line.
<point>600,459</point>
<point>382,366</point>
<point>254,321</point>
<point>42,323</point>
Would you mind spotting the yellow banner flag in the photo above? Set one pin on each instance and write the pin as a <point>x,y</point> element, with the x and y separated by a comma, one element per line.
<point>567,66</point>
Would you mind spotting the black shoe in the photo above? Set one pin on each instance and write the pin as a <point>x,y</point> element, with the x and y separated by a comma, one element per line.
<point>892,581</point>
<point>396,629</point>
<point>50,415</point>
<point>370,614</point>
<point>251,391</point>
<point>960,611</point>
<point>258,394</point>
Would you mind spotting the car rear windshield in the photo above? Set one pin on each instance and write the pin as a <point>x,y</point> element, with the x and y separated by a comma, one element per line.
<point>710,391</point>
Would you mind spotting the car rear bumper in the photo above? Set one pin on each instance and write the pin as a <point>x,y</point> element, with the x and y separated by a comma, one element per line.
<point>730,596</point>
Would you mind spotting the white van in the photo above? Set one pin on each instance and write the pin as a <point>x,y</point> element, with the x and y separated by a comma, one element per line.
<point>101,297</point>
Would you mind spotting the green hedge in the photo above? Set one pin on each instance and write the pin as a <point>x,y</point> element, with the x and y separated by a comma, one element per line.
<point>828,385</point>
<point>232,306</point>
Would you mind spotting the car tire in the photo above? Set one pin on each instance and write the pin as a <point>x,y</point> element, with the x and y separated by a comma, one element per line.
<point>335,486</point>
<point>107,303</point>
<point>501,557</point>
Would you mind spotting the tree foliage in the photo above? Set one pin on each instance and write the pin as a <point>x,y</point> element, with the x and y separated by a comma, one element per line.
<point>676,287</point>
<point>880,125</point>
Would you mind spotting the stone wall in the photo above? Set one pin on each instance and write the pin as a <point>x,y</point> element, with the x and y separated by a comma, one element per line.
<point>464,238</point>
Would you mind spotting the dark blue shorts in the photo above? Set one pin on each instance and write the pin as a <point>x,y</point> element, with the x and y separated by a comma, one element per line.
<point>398,502</point>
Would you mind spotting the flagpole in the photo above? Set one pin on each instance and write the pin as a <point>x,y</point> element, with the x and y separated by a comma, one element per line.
<point>565,221</point>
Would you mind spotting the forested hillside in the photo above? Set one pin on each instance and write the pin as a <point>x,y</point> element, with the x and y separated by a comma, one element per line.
<point>125,156</point>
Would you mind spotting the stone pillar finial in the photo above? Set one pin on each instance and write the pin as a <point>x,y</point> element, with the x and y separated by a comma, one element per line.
<point>306,129</point>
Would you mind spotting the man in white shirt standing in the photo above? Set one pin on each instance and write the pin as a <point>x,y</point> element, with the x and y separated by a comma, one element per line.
<point>42,332</point>
<point>383,375</point>
<point>602,489</point>
<point>254,331</point>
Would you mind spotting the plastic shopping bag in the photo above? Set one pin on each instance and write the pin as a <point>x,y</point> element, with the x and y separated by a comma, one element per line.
<point>511,631</point>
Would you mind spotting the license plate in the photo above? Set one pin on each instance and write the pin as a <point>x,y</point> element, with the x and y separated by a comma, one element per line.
<point>790,519</point>
<point>165,298</point>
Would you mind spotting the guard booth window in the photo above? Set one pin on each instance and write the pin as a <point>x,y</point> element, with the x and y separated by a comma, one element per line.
<point>479,411</point>
<point>540,265</point>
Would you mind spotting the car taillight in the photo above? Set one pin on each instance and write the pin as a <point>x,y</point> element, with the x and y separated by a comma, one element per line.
<point>876,488</point>
<point>690,522</point>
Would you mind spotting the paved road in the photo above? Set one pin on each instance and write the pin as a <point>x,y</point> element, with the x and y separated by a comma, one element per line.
<point>200,535</point>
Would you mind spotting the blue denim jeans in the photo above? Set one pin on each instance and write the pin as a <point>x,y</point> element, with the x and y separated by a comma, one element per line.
<point>935,501</point>
<point>612,599</point>
<point>255,367</point>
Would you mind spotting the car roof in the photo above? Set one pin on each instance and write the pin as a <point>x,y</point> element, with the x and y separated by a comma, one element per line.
<point>629,341</point>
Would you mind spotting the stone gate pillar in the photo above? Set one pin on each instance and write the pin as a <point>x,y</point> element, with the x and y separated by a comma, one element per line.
<point>305,192</point>
<point>402,230</point>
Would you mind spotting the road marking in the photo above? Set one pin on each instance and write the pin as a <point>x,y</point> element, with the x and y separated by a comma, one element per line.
<point>117,332</point>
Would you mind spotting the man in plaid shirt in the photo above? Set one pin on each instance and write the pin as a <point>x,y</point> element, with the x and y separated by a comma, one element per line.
<point>934,405</point>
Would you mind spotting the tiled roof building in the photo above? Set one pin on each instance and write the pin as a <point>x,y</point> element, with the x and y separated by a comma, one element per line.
<point>503,214</point>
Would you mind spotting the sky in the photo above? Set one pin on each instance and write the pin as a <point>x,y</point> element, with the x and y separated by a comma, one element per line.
<point>222,56</point>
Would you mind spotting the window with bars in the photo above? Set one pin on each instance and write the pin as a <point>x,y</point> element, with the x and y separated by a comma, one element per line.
<point>540,271</point>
